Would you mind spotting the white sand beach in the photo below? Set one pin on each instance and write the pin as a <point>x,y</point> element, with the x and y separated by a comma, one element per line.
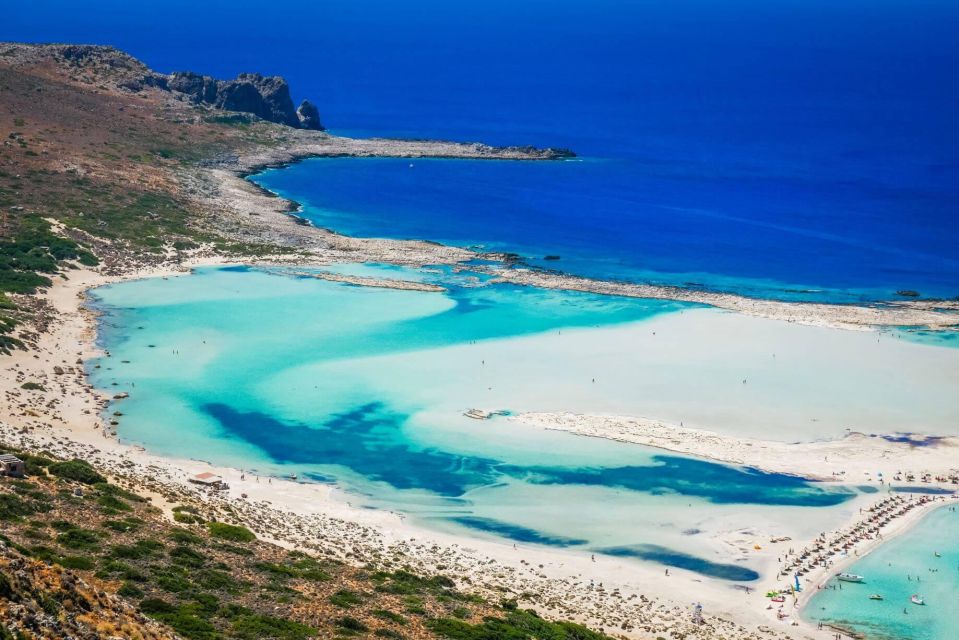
<point>622,597</point>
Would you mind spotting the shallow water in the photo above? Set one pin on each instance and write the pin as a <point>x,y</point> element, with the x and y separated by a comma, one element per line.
<point>275,373</point>
<point>897,570</point>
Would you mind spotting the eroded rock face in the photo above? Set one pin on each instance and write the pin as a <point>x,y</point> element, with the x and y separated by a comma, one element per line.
<point>197,88</point>
<point>309,116</point>
<point>267,97</point>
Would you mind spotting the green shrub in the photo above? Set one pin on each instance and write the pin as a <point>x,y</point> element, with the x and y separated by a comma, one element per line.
<point>186,518</point>
<point>231,532</point>
<point>171,579</point>
<point>218,580</point>
<point>76,469</point>
<point>182,536</point>
<point>152,606</point>
<point>230,548</point>
<point>345,599</point>
<point>187,556</point>
<point>278,570</point>
<point>256,627</point>
<point>184,618</point>
<point>46,554</point>
<point>130,590</point>
<point>112,504</point>
<point>111,567</point>
<point>13,507</point>
<point>77,538</point>
<point>518,624</point>
<point>108,489</point>
<point>137,550</point>
<point>351,624</point>
<point>389,615</point>
<point>32,386</point>
<point>122,526</point>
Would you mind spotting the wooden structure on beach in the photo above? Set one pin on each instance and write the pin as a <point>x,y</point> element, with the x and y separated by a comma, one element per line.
<point>11,465</point>
<point>209,480</point>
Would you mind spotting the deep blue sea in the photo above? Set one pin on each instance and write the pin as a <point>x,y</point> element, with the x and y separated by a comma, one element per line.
<point>794,149</point>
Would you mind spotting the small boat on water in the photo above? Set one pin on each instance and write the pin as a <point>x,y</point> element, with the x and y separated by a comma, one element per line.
<point>875,596</point>
<point>915,599</point>
<point>850,577</point>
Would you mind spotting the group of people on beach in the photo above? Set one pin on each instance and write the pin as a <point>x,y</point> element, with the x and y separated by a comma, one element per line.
<point>824,551</point>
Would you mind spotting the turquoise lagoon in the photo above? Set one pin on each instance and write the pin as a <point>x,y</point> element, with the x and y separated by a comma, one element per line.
<point>278,373</point>
<point>900,568</point>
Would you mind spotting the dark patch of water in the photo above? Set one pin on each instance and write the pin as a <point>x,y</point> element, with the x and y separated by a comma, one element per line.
<point>516,532</point>
<point>670,558</point>
<point>368,441</point>
<point>714,482</point>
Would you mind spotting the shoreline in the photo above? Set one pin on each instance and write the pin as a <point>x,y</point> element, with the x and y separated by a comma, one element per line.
<point>907,524</point>
<point>66,419</point>
<point>253,199</point>
<point>287,509</point>
<point>793,459</point>
<point>65,414</point>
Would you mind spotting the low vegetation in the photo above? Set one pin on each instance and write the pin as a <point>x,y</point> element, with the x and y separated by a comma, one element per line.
<point>210,580</point>
<point>30,252</point>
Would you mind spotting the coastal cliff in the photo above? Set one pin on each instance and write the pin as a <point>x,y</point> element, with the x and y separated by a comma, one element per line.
<point>266,97</point>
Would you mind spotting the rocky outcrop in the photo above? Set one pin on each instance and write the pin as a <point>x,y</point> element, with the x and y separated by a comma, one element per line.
<point>309,116</point>
<point>196,88</point>
<point>267,97</point>
<point>48,602</point>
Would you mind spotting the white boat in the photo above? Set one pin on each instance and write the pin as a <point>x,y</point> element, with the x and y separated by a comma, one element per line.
<point>875,596</point>
<point>850,577</point>
<point>917,600</point>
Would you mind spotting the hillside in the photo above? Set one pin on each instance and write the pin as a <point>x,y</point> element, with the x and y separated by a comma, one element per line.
<point>85,557</point>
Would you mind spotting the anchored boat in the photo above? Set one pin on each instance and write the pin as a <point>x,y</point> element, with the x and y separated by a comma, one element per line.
<point>915,599</point>
<point>850,577</point>
<point>875,596</point>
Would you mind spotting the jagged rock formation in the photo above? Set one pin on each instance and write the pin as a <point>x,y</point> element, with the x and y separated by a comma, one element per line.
<point>309,116</point>
<point>267,97</point>
<point>198,89</point>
